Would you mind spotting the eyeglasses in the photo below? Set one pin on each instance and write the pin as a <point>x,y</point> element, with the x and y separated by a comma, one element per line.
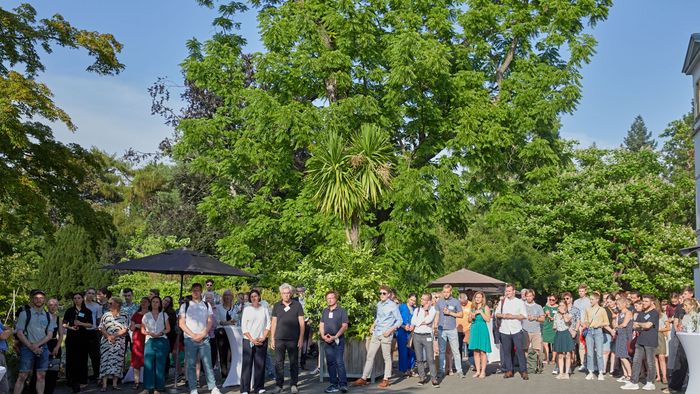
<point>383,293</point>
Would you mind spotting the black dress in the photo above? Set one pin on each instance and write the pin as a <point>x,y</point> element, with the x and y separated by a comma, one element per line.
<point>77,342</point>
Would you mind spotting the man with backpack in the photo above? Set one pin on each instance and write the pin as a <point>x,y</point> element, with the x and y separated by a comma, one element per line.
<point>34,329</point>
<point>196,319</point>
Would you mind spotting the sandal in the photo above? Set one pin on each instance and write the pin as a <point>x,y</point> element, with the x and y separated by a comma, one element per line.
<point>116,388</point>
<point>103,389</point>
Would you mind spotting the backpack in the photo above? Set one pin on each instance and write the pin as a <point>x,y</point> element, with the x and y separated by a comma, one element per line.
<point>533,362</point>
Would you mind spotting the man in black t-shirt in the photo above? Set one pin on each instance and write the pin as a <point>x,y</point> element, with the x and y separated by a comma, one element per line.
<point>334,322</point>
<point>647,325</point>
<point>287,333</point>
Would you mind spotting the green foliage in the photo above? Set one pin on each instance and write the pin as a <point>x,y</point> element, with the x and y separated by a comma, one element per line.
<point>638,136</point>
<point>71,263</point>
<point>355,274</point>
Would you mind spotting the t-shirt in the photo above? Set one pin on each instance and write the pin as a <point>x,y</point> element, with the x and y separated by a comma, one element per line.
<point>648,337</point>
<point>533,326</point>
<point>448,322</point>
<point>582,304</point>
<point>84,315</point>
<point>287,327</point>
<point>96,310</point>
<point>154,325</point>
<point>333,320</point>
<point>36,330</point>
<point>197,316</point>
<point>255,320</point>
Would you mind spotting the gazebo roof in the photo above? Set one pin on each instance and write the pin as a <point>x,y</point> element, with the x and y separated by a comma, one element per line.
<point>468,278</point>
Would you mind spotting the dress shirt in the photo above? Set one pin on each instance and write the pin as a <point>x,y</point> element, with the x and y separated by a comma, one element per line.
<point>423,322</point>
<point>387,317</point>
<point>514,306</point>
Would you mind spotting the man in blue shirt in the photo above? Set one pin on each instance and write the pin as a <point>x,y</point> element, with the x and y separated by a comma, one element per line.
<point>449,309</point>
<point>386,322</point>
<point>4,334</point>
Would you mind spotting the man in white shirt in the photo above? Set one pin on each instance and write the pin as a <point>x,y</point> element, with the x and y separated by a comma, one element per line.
<point>582,303</point>
<point>422,327</point>
<point>512,312</point>
<point>196,318</point>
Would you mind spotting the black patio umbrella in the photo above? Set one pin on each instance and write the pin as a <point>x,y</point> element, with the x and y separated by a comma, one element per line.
<point>180,262</point>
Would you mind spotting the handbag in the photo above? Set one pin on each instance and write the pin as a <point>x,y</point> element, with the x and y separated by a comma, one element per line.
<point>409,344</point>
<point>54,364</point>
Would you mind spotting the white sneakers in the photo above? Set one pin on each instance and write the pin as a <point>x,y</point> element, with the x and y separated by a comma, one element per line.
<point>630,386</point>
<point>194,391</point>
<point>649,386</point>
<point>601,377</point>
<point>623,379</point>
<point>215,390</point>
<point>590,376</point>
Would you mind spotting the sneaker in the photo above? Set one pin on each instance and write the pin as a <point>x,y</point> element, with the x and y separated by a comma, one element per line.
<point>581,368</point>
<point>343,389</point>
<point>435,383</point>
<point>649,386</point>
<point>215,390</point>
<point>295,390</point>
<point>555,371</point>
<point>590,376</point>
<point>462,375</point>
<point>261,391</point>
<point>630,386</point>
<point>623,379</point>
<point>331,389</point>
<point>421,382</point>
<point>194,391</point>
<point>601,377</point>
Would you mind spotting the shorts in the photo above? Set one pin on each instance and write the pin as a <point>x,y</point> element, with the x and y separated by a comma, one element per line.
<point>28,359</point>
<point>534,340</point>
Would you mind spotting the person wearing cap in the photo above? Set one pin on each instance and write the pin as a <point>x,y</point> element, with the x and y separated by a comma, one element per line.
<point>34,333</point>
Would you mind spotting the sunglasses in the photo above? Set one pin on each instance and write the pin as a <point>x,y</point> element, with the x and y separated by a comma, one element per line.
<point>383,293</point>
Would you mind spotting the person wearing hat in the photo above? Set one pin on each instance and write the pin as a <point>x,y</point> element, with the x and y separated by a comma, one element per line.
<point>34,329</point>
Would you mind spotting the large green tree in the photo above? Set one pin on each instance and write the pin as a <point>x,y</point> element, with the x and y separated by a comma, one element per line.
<point>638,136</point>
<point>470,93</point>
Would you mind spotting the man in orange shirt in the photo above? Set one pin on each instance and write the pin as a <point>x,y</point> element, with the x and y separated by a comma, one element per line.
<point>463,326</point>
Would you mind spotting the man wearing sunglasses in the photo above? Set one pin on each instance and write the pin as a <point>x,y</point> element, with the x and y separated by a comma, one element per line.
<point>386,322</point>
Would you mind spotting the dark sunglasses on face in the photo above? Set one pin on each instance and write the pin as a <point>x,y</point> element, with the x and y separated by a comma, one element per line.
<point>383,293</point>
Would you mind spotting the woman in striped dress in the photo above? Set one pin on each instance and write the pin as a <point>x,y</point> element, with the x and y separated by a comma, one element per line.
<point>113,326</point>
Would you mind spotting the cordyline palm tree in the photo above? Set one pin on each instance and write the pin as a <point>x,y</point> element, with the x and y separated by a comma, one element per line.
<point>350,178</point>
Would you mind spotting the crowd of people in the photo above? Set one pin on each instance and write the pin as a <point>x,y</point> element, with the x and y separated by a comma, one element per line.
<point>626,335</point>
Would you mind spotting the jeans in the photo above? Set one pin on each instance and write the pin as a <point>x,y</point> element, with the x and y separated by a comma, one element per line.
<point>253,363</point>
<point>336,362</point>
<point>642,353</point>
<point>154,356</point>
<point>195,351</point>
<point>28,360</point>
<point>594,350</point>
<point>450,336</point>
<point>378,341</point>
<point>290,348</point>
<point>423,346</point>
<point>508,343</point>
<point>224,350</point>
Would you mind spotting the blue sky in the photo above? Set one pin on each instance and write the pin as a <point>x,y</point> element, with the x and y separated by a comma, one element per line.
<point>637,69</point>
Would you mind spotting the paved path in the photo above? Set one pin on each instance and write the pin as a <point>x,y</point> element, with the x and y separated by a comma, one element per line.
<point>494,384</point>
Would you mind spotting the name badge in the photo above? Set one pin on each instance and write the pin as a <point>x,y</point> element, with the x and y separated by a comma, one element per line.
<point>428,339</point>
<point>647,316</point>
<point>81,314</point>
<point>287,308</point>
<point>330,315</point>
<point>451,307</point>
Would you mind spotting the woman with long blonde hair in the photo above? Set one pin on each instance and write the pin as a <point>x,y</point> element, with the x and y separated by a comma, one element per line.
<point>480,339</point>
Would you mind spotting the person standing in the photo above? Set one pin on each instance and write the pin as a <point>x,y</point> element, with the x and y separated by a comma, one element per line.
<point>449,309</point>
<point>512,312</point>
<point>407,359</point>
<point>647,324</point>
<point>563,340</point>
<point>76,320</point>
<point>210,288</point>
<point>172,334</point>
<point>334,322</point>
<point>34,329</point>
<point>287,330</point>
<point>533,326</point>
<point>255,325</point>
<point>54,346</point>
<point>138,340</point>
<point>4,334</point>
<point>113,327</point>
<point>93,334</point>
<point>623,336</point>
<point>423,339</point>
<point>300,295</point>
<point>103,296</point>
<point>480,341</point>
<point>548,332</point>
<point>582,304</point>
<point>155,326</point>
<point>227,315</point>
<point>386,322</point>
<point>196,318</point>
<point>463,327</point>
<point>594,322</point>
<point>680,362</point>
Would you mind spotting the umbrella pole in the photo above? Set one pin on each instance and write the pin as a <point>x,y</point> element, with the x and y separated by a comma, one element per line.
<point>177,346</point>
